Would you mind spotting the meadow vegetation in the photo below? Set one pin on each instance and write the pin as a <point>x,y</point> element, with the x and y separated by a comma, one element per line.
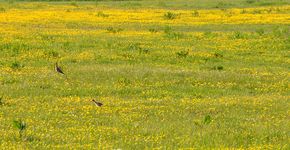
<point>181,74</point>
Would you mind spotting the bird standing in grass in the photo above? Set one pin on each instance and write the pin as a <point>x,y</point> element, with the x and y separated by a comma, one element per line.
<point>97,103</point>
<point>58,69</point>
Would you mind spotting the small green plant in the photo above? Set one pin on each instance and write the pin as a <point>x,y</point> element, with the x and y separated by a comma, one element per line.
<point>170,16</point>
<point>16,65</point>
<point>182,54</point>
<point>195,13</point>
<point>207,119</point>
<point>20,125</point>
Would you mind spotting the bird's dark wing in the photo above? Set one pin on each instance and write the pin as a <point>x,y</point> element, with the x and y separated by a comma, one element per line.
<point>58,69</point>
<point>97,103</point>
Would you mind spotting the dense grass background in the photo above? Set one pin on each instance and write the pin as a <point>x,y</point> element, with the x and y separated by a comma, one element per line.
<point>163,85</point>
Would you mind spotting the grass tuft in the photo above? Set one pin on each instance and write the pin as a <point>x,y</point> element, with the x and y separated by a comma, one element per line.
<point>207,119</point>
<point>20,125</point>
<point>16,65</point>
<point>182,54</point>
<point>170,15</point>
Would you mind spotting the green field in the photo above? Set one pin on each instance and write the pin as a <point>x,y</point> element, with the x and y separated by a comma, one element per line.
<point>197,74</point>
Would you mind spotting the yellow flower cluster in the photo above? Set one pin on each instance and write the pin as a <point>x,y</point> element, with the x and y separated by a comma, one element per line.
<point>60,17</point>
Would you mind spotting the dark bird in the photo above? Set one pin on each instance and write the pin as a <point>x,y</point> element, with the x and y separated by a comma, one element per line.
<point>97,103</point>
<point>58,69</point>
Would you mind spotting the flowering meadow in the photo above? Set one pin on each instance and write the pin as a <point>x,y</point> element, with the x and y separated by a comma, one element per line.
<point>169,75</point>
